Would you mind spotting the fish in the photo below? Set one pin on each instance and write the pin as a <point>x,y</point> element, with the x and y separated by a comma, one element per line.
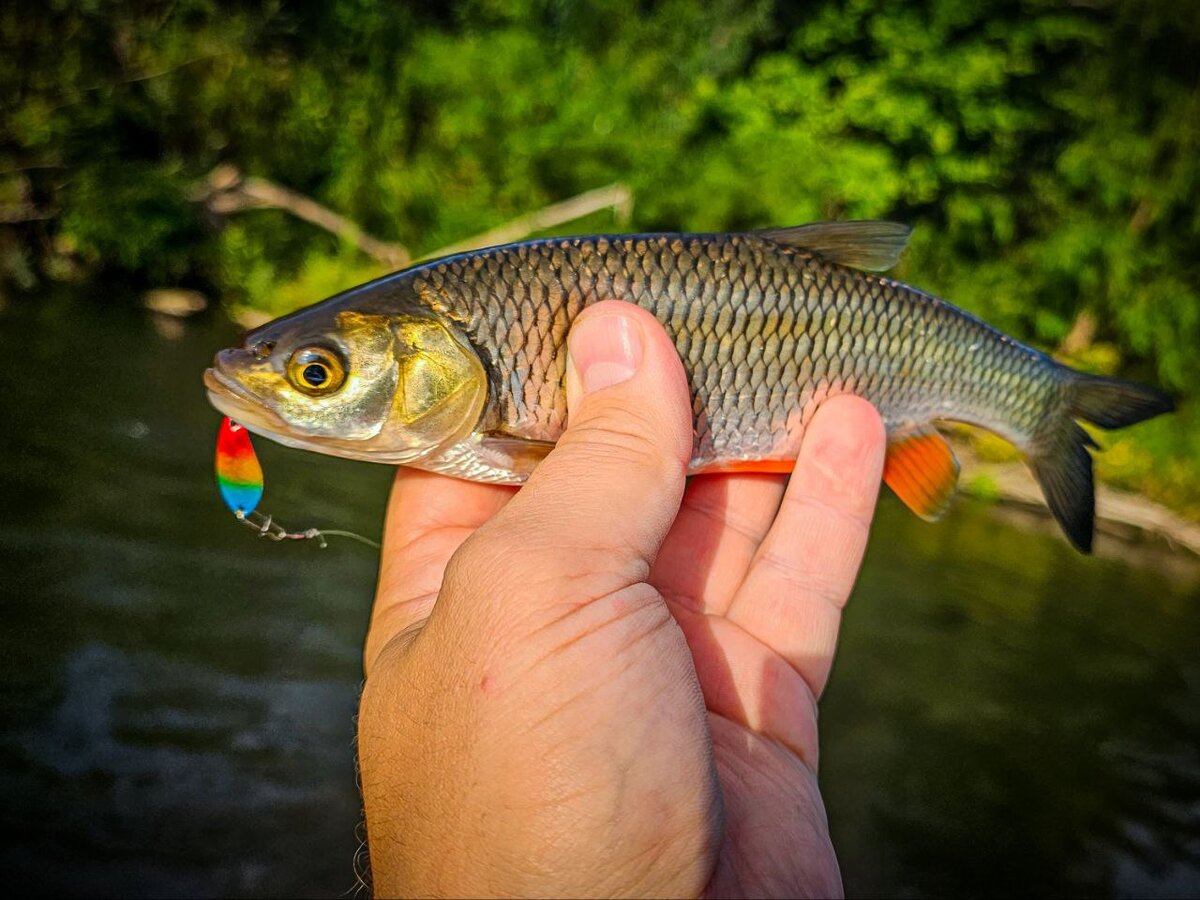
<point>456,365</point>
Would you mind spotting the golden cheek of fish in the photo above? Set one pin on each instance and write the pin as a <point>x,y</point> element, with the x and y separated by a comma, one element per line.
<point>373,387</point>
<point>456,365</point>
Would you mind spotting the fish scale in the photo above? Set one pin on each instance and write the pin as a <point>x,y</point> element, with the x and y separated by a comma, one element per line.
<point>818,314</point>
<point>767,324</point>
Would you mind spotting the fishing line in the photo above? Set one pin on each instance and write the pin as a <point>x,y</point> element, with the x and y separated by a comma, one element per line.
<point>240,480</point>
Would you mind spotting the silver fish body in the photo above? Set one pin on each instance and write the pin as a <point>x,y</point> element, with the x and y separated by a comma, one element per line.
<point>767,324</point>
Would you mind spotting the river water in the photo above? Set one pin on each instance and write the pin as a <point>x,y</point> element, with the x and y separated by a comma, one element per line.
<point>1005,716</point>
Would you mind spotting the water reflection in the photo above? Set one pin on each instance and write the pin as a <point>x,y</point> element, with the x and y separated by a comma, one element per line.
<point>178,697</point>
<point>1008,717</point>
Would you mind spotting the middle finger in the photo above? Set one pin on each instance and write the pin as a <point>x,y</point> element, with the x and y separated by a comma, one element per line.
<point>721,522</point>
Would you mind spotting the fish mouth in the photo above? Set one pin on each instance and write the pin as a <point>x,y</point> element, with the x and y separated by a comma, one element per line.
<point>234,401</point>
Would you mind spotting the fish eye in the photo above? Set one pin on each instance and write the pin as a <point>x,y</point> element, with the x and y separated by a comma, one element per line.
<point>316,371</point>
<point>316,374</point>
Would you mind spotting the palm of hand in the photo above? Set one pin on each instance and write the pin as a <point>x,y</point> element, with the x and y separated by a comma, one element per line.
<point>756,586</point>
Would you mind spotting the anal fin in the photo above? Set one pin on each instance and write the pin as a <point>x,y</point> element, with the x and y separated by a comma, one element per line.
<point>921,470</point>
<point>747,467</point>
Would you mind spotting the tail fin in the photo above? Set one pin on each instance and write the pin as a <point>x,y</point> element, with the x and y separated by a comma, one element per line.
<point>1060,459</point>
<point>1111,403</point>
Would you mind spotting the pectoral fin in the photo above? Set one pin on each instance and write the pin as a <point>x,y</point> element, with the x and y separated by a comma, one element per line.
<point>518,455</point>
<point>921,470</point>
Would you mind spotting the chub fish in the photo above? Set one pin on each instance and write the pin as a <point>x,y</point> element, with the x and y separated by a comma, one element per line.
<point>456,365</point>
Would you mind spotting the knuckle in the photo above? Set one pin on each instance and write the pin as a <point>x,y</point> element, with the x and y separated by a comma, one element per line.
<point>798,576</point>
<point>631,438</point>
<point>469,567</point>
<point>528,556</point>
<point>853,517</point>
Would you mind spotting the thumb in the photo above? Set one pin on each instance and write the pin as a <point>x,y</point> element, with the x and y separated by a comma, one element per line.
<point>602,501</point>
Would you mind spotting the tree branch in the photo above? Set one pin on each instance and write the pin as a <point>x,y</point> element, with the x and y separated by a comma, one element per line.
<point>616,197</point>
<point>226,191</point>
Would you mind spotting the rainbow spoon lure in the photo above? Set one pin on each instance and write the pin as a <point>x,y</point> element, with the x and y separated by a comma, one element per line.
<point>240,480</point>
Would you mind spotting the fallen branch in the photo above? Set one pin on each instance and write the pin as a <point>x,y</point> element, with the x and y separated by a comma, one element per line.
<point>616,197</point>
<point>1117,512</point>
<point>1081,335</point>
<point>225,191</point>
<point>23,209</point>
<point>25,212</point>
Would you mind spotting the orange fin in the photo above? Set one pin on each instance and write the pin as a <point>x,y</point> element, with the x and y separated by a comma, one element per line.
<point>762,466</point>
<point>922,471</point>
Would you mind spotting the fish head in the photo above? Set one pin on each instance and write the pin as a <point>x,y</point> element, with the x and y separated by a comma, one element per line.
<point>364,385</point>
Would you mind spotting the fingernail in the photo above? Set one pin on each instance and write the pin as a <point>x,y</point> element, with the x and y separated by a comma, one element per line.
<point>603,350</point>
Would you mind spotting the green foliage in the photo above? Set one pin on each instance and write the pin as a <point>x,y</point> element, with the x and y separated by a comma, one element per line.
<point>1157,459</point>
<point>983,487</point>
<point>1048,154</point>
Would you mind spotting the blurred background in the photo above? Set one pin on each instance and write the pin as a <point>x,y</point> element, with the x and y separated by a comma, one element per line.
<point>178,698</point>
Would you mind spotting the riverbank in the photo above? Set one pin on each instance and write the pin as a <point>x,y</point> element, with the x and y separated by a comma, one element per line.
<point>1119,514</point>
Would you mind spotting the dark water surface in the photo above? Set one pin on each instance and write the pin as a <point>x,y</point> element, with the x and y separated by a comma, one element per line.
<point>178,698</point>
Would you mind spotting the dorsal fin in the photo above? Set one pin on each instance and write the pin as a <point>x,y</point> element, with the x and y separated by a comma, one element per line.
<point>872,245</point>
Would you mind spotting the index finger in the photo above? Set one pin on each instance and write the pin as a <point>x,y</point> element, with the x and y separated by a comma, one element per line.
<point>805,568</point>
<point>428,518</point>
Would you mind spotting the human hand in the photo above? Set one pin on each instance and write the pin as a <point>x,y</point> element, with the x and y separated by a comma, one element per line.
<point>605,684</point>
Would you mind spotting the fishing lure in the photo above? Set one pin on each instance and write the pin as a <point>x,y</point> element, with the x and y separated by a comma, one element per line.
<point>240,480</point>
